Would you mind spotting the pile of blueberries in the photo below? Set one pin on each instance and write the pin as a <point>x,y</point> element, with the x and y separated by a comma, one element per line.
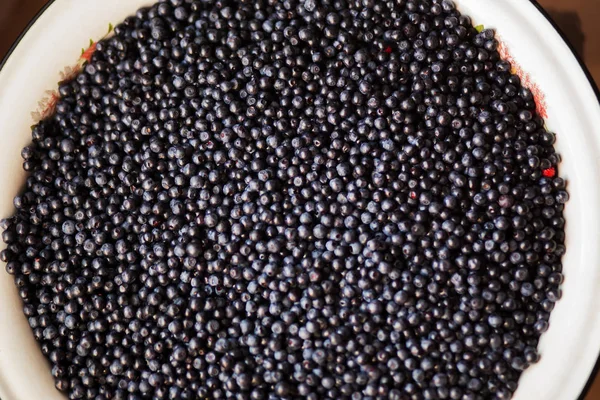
<point>290,199</point>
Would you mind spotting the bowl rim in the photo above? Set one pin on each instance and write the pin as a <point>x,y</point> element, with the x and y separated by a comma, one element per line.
<point>596,368</point>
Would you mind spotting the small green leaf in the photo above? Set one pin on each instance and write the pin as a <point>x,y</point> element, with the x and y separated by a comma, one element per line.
<point>110,27</point>
<point>82,51</point>
<point>479,28</point>
<point>91,42</point>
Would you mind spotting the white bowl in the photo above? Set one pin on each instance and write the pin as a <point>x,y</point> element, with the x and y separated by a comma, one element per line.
<point>570,347</point>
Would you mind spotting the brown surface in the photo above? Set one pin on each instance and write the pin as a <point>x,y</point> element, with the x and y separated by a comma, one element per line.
<point>579,19</point>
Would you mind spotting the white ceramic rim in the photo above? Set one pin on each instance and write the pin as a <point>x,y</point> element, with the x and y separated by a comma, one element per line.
<point>575,381</point>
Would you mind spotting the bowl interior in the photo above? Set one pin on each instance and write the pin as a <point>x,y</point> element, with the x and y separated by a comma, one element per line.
<point>569,348</point>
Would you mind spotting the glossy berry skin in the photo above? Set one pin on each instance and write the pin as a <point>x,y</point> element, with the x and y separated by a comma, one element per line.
<point>345,199</point>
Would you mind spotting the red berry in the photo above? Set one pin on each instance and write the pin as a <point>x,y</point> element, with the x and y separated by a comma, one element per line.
<point>549,172</point>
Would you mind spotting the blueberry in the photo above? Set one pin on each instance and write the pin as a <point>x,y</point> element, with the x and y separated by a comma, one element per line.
<point>309,199</point>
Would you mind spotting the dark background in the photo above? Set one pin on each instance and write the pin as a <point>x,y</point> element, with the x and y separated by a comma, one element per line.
<point>579,19</point>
